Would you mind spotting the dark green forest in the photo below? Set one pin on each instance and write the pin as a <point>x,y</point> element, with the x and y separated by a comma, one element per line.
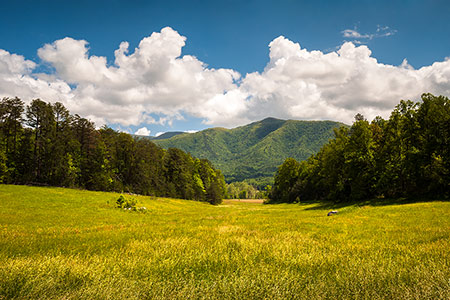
<point>407,155</point>
<point>43,144</point>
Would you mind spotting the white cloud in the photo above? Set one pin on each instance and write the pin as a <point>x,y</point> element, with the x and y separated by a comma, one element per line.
<point>358,38</point>
<point>302,84</point>
<point>143,131</point>
<point>156,80</point>
<point>16,79</point>
<point>14,64</point>
<point>124,130</point>
<point>305,84</point>
<point>187,131</point>
<point>352,33</point>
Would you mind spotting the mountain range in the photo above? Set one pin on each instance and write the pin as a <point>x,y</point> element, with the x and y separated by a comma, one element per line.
<point>254,151</point>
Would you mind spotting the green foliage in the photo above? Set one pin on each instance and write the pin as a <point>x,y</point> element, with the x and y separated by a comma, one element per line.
<point>254,151</point>
<point>245,190</point>
<point>405,156</point>
<point>3,167</point>
<point>213,182</point>
<point>52,147</point>
<point>285,180</point>
<point>11,111</point>
<point>126,203</point>
<point>70,244</point>
<point>242,190</point>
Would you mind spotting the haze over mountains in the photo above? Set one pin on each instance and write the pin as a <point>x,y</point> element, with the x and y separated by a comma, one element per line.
<point>253,151</point>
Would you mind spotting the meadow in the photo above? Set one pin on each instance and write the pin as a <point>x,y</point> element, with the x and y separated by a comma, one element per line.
<point>58,243</point>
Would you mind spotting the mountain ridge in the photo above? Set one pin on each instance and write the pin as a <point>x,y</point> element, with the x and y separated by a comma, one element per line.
<point>255,150</point>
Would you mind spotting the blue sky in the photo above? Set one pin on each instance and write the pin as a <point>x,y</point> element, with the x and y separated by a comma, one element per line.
<point>233,36</point>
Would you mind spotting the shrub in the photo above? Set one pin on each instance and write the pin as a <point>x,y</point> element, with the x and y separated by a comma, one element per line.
<point>126,203</point>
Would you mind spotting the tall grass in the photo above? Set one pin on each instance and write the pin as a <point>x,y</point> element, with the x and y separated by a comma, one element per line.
<point>68,244</point>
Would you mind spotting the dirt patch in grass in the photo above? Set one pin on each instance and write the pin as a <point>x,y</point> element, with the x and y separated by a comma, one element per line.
<point>225,201</point>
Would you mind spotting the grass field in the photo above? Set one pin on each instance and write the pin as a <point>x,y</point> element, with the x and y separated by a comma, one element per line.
<point>68,244</point>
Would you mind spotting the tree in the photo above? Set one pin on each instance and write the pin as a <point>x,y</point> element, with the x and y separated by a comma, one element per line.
<point>11,110</point>
<point>407,155</point>
<point>359,160</point>
<point>88,156</point>
<point>3,166</point>
<point>40,117</point>
<point>242,190</point>
<point>213,182</point>
<point>433,116</point>
<point>63,168</point>
<point>287,175</point>
<point>59,149</point>
<point>399,152</point>
<point>178,170</point>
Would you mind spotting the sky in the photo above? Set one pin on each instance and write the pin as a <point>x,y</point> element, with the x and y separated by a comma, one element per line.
<point>148,67</point>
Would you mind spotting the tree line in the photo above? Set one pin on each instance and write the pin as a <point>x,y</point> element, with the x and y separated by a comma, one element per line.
<point>407,155</point>
<point>42,143</point>
<point>245,190</point>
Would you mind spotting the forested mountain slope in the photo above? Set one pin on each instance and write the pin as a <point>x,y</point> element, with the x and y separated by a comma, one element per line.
<point>257,149</point>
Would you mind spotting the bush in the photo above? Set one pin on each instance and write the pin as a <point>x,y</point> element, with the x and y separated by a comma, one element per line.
<point>126,203</point>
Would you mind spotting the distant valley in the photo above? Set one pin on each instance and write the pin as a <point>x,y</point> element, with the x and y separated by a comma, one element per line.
<point>254,151</point>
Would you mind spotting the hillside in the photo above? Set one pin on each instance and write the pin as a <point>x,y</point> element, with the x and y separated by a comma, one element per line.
<point>257,149</point>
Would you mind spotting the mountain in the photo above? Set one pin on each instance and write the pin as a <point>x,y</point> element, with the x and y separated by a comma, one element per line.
<point>167,135</point>
<point>257,149</point>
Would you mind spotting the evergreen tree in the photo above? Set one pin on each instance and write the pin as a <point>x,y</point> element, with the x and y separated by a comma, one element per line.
<point>63,171</point>
<point>40,117</point>
<point>11,110</point>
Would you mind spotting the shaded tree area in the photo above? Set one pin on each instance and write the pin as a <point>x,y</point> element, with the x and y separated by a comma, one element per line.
<point>44,144</point>
<point>407,155</point>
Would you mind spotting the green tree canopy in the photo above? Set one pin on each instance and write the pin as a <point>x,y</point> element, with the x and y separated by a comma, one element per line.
<point>407,155</point>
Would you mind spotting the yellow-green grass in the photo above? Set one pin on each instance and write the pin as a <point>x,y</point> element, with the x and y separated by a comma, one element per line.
<point>60,243</point>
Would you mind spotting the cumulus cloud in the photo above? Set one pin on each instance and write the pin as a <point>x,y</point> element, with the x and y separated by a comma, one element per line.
<point>143,131</point>
<point>155,84</point>
<point>155,78</point>
<point>303,84</point>
<point>16,79</point>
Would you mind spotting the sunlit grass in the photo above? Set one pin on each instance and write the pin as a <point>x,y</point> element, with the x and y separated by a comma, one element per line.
<point>68,244</point>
